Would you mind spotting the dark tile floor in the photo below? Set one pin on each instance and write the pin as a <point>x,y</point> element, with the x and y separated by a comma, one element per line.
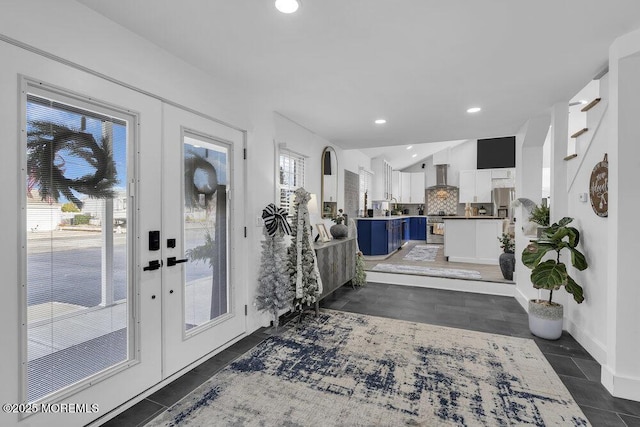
<point>485,313</point>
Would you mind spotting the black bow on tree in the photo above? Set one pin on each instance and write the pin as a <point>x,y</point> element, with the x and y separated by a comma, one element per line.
<point>275,218</point>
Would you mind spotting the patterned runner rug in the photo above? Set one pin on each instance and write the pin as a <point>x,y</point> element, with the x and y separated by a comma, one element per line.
<point>344,369</point>
<point>423,253</point>
<point>427,271</point>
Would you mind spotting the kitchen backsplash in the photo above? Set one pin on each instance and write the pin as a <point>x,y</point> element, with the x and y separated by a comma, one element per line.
<point>439,199</point>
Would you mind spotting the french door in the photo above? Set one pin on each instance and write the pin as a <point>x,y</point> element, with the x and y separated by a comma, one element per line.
<point>203,303</point>
<point>131,243</point>
<point>89,312</point>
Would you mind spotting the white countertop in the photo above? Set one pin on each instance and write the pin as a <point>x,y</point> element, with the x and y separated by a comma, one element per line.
<point>472,217</point>
<point>392,217</point>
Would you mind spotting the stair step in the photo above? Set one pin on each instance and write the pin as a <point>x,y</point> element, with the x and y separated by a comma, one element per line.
<point>580,132</point>
<point>590,105</point>
<point>571,156</point>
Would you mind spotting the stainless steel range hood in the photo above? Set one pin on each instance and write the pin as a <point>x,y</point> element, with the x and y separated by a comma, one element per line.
<point>441,178</point>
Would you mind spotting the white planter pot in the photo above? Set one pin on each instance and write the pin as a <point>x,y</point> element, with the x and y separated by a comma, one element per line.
<point>545,321</point>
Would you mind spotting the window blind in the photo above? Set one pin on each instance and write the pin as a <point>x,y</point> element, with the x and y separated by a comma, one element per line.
<point>291,176</point>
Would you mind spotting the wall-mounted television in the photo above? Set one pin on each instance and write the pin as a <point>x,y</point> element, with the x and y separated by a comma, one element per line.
<point>495,153</point>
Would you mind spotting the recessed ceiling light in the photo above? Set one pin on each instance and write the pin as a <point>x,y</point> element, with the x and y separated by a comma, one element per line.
<point>287,6</point>
<point>380,121</point>
<point>583,101</point>
<point>410,147</point>
<point>414,155</point>
<point>474,109</point>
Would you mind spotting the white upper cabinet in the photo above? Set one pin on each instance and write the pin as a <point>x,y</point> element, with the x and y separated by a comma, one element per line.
<point>416,194</point>
<point>467,186</point>
<point>483,186</point>
<point>500,173</point>
<point>396,191</point>
<point>405,187</point>
<point>382,179</point>
<point>501,178</point>
<point>475,186</point>
<point>410,187</point>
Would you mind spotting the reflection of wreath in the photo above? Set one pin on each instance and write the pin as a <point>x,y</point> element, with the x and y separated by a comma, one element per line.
<point>44,142</point>
<point>200,179</point>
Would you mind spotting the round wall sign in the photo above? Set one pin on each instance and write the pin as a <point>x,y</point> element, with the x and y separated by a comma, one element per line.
<point>599,188</point>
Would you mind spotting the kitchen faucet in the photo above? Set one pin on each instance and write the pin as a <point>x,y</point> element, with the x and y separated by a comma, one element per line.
<point>395,205</point>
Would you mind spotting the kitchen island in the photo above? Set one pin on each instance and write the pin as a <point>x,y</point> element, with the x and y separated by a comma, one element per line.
<point>473,239</point>
<point>386,234</point>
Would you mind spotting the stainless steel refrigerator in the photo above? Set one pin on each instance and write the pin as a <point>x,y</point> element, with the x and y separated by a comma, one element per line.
<point>502,198</point>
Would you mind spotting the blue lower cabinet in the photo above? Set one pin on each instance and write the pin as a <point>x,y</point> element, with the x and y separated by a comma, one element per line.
<point>381,237</point>
<point>413,228</point>
<point>372,237</point>
<point>406,230</point>
<point>418,228</point>
<point>395,234</point>
<point>422,229</point>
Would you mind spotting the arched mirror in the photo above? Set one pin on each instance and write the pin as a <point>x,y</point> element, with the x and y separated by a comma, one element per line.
<point>329,190</point>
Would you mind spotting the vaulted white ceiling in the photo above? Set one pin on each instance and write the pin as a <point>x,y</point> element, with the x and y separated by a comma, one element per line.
<point>336,65</point>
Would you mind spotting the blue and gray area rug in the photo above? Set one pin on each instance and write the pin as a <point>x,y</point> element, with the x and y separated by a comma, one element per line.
<point>343,369</point>
<point>423,253</point>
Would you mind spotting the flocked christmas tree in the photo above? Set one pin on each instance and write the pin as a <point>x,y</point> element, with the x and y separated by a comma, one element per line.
<point>360,279</point>
<point>274,289</point>
<point>301,263</point>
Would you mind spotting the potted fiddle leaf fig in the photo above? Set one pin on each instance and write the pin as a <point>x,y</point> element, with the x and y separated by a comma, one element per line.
<point>545,316</point>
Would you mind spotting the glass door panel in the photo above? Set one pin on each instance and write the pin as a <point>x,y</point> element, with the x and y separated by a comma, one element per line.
<point>77,252</point>
<point>206,214</point>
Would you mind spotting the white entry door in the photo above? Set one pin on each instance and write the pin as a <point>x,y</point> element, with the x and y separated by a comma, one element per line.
<point>90,306</point>
<point>202,234</point>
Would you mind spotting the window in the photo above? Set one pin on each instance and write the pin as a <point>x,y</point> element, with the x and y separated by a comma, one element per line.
<point>365,185</point>
<point>78,241</point>
<point>291,176</point>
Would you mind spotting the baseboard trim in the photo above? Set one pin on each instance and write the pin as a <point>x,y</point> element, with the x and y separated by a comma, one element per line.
<point>620,386</point>
<point>593,346</point>
<point>522,299</point>
<point>486,261</point>
<point>476,286</point>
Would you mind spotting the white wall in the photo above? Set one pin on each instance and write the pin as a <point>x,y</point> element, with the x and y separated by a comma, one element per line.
<point>621,373</point>
<point>529,142</point>
<point>587,321</point>
<point>353,160</point>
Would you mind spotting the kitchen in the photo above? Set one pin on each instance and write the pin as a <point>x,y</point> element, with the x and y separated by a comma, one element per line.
<point>443,215</point>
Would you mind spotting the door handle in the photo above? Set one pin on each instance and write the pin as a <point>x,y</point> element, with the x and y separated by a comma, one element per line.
<point>171,261</point>
<point>153,265</point>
